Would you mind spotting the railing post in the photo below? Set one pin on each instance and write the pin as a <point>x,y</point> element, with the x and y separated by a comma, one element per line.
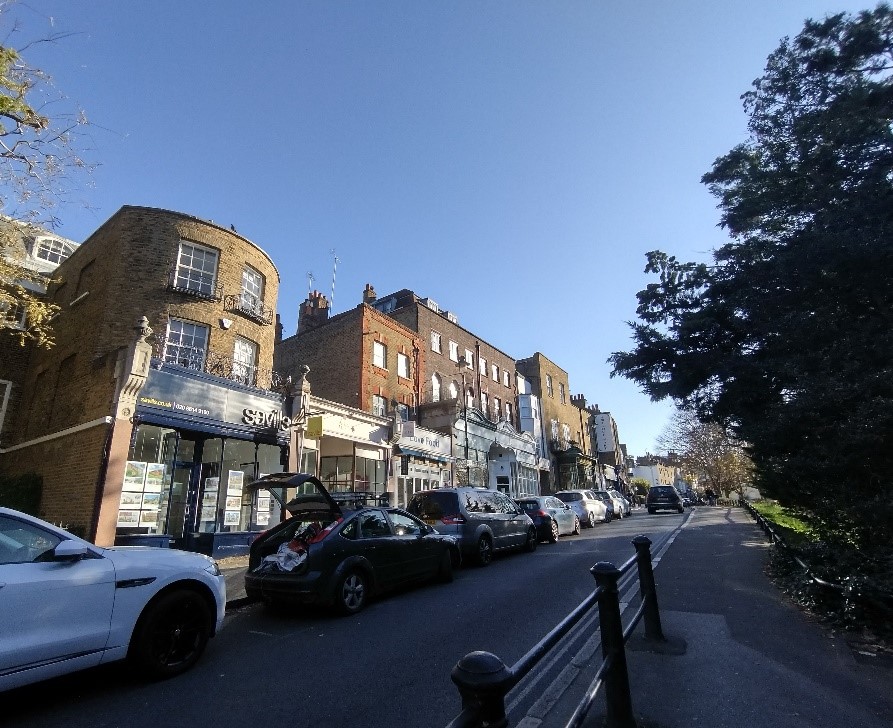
<point>619,708</point>
<point>483,681</point>
<point>647,589</point>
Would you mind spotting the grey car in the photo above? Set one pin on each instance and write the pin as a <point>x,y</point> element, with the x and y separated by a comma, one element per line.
<point>482,520</point>
<point>584,502</point>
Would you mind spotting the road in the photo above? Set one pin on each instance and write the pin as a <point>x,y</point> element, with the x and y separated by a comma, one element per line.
<point>387,666</point>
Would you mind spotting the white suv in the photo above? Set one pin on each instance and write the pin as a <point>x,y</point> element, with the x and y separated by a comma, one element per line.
<point>66,604</point>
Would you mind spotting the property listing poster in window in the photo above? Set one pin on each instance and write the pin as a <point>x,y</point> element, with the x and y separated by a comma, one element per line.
<point>140,495</point>
<point>209,499</point>
<point>232,516</point>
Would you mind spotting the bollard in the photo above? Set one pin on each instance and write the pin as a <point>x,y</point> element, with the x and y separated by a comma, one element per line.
<point>647,589</point>
<point>619,708</point>
<point>483,681</point>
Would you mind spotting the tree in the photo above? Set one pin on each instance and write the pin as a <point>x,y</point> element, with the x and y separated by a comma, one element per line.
<point>38,165</point>
<point>785,339</point>
<point>709,454</point>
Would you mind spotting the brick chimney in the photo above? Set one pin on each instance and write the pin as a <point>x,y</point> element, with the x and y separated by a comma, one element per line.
<point>314,312</point>
<point>578,400</point>
<point>278,329</point>
<point>369,294</point>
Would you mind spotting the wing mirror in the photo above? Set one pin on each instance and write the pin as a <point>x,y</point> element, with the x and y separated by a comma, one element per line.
<point>69,551</point>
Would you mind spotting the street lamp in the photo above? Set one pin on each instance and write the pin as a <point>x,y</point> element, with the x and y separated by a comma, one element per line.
<point>462,363</point>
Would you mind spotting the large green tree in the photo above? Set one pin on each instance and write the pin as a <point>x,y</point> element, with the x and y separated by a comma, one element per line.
<point>39,166</point>
<point>785,337</point>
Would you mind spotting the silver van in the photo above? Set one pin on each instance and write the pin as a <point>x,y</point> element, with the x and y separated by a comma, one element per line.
<point>482,520</point>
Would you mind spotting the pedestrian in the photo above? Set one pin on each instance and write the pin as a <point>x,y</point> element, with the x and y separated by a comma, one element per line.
<point>711,497</point>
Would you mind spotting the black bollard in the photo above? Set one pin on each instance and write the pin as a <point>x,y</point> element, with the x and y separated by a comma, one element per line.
<point>648,591</point>
<point>483,681</point>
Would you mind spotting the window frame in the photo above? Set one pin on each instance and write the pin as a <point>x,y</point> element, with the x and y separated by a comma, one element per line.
<point>549,386</point>
<point>193,362</point>
<point>379,405</point>
<point>436,341</point>
<point>402,365</point>
<point>249,298</point>
<point>379,348</point>
<point>244,371</point>
<point>190,278</point>
<point>454,351</point>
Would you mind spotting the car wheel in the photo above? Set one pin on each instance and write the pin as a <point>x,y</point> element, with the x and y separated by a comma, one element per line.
<point>485,551</point>
<point>591,519</point>
<point>352,592</point>
<point>553,536</point>
<point>531,543</point>
<point>576,526</point>
<point>171,634</point>
<point>445,571</point>
<point>681,509</point>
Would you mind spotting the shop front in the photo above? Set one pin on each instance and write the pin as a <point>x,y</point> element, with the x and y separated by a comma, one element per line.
<point>198,442</point>
<point>422,461</point>
<point>494,455</point>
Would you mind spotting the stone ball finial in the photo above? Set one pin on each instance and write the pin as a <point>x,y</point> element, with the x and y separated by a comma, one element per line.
<point>142,328</point>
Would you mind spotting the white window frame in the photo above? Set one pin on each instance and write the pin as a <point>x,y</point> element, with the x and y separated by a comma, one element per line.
<point>508,412</point>
<point>454,351</point>
<point>196,268</point>
<point>494,372</point>
<point>435,341</point>
<point>454,390</point>
<point>469,359</point>
<point>562,394</point>
<point>184,346</point>
<point>435,387</point>
<point>52,250</point>
<point>379,355</point>
<point>252,293</point>
<point>485,403</point>
<point>245,361</point>
<point>379,405</point>
<point>497,407</point>
<point>403,366</point>
<point>505,378</point>
<point>482,366</point>
<point>549,388</point>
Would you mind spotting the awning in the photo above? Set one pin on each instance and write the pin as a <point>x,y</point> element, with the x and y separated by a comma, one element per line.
<point>425,455</point>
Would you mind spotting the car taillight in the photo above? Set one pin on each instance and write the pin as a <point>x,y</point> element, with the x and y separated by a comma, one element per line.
<point>541,514</point>
<point>453,519</point>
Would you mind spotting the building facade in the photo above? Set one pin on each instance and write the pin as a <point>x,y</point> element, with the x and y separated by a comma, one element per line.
<point>156,407</point>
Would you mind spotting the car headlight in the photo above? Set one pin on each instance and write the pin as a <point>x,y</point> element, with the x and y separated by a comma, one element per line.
<point>213,569</point>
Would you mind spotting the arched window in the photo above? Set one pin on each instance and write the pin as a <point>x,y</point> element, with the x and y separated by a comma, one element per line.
<point>454,390</point>
<point>435,388</point>
<point>54,251</point>
<point>469,398</point>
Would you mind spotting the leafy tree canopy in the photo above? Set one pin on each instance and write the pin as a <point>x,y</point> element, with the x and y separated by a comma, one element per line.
<point>785,337</point>
<point>39,165</point>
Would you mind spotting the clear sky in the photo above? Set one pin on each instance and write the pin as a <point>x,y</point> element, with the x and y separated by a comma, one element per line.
<point>514,161</point>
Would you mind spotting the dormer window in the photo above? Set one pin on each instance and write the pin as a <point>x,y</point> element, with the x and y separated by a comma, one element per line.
<point>52,250</point>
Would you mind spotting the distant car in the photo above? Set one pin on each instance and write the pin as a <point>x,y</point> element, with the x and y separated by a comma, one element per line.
<point>664,498</point>
<point>626,508</point>
<point>482,520</point>
<point>341,552</point>
<point>551,516</point>
<point>589,508</point>
<point>66,604</point>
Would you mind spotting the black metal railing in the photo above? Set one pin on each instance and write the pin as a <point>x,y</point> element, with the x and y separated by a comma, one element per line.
<point>484,680</point>
<point>210,362</point>
<point>194,287</point>
<point>250,307</point>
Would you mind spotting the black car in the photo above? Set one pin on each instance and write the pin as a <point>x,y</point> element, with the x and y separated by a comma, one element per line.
<point>664,498</point>
<point>341,553</point>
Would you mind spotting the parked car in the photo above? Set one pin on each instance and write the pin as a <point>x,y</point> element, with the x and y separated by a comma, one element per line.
<point>340,552</point>
<point>586,505</point>
<point>551,516</point>
<point>482,520</point>
<point>664,498</point>
<point>606,498</point>
<point>66,604</point>
<point>619,499</point>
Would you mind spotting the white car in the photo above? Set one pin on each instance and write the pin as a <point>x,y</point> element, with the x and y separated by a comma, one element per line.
<point>621,504</point>
<point>588,508</point>
<point>66,604</point>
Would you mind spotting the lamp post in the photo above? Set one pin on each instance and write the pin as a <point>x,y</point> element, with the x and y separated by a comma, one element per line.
<point>462,363</point>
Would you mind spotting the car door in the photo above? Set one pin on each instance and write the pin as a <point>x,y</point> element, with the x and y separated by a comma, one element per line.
<point>563,514</point>
<point>381,547</point>
<point>50,610</point>
<point>419,551</point>
<point>515,522</point>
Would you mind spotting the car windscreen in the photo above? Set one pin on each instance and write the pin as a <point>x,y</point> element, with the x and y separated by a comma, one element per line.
<point>433,505</point>
<point>569,497</point>
<point>529,505</point>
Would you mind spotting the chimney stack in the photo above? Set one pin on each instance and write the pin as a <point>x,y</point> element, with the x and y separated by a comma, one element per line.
<point>369,294</point>
<point>314,312</point>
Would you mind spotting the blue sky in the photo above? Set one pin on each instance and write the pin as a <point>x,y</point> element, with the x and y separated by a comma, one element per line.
<point>512,160</point>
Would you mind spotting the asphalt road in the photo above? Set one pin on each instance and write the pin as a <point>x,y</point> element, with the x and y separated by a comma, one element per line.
<point>388,666</point>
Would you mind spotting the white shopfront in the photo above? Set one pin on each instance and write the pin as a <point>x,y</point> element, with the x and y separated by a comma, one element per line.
<point>422,461</point>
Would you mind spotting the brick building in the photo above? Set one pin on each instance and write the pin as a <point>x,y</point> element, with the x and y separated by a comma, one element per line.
<point>152,428</point>
<point>565,426</point>
<point>489,448</point>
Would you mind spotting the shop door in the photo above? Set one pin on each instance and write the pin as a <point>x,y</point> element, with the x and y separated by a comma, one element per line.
<point>182,504</point>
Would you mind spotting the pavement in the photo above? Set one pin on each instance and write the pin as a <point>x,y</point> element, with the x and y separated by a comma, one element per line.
<point>749,656</point>
<point>742,654</point>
